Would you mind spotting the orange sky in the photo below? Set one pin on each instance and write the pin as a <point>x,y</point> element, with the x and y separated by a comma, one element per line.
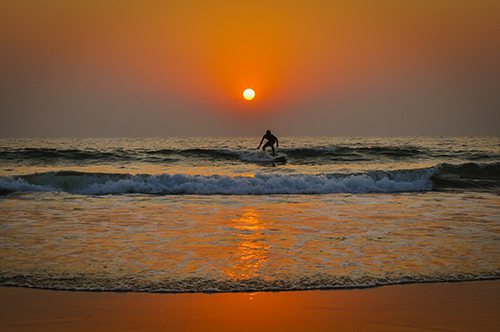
<point>151,68</point>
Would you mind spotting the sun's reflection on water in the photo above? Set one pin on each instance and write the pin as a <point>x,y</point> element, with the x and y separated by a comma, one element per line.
<point>252,251</point>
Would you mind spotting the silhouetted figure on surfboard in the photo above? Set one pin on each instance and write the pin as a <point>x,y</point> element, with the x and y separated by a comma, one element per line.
<point>271,140</point>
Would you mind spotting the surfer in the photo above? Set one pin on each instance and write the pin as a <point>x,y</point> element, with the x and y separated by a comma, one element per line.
<point>271,139</point>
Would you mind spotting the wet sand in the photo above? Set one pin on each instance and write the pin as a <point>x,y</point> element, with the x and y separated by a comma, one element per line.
<point>465,306</point>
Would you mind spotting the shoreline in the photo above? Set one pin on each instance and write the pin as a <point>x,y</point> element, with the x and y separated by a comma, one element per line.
<point>458,306</point>
<point>361,287</point>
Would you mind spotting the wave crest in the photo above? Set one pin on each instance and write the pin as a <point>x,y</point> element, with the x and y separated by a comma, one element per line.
<point>440,177</point>
<point>295,155</point>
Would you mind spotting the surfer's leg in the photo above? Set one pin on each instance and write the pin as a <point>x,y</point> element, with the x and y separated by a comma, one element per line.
<point>274,152</point>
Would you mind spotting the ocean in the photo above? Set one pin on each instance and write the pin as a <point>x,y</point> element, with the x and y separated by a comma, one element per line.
<point>213,214</point>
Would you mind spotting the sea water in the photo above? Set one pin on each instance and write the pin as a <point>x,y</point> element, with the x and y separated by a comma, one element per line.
<point>214,214</point>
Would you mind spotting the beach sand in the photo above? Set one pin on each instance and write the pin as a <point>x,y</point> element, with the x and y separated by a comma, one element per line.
<point>464,306</point>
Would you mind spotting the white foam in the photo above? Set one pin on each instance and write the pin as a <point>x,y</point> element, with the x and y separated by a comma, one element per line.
<point>20,185</point>
<point>100,184</point>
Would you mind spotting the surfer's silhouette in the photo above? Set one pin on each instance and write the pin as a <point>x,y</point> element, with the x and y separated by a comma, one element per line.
<point>271,140</point>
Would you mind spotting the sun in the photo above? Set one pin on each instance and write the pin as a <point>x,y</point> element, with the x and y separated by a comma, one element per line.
<point>249,94</point>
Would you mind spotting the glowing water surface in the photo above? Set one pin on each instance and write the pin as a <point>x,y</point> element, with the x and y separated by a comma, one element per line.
<point>234,243</point>
<point>402,224</point>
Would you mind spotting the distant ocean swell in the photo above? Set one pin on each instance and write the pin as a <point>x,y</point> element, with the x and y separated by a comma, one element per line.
<point>470,176</point>
<point>133,283</point>
<point>298,155</point>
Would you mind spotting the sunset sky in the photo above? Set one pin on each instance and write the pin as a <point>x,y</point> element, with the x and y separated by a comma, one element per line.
<point>160,68</point>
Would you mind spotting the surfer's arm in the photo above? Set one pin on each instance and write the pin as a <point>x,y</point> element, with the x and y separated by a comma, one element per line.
<point>277,144</point>
<point>262,140</point>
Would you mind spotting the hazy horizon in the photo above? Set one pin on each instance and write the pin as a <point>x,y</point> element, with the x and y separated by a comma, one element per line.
<point>258,135</point>
<point>88,69</point>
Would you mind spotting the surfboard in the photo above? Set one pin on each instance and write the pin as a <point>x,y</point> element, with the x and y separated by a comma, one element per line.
<point>264,157</point>
<point>280,159</point>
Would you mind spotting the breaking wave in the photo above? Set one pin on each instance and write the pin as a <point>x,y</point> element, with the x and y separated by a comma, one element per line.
<point>295,155</point>
<point>441,177</point>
